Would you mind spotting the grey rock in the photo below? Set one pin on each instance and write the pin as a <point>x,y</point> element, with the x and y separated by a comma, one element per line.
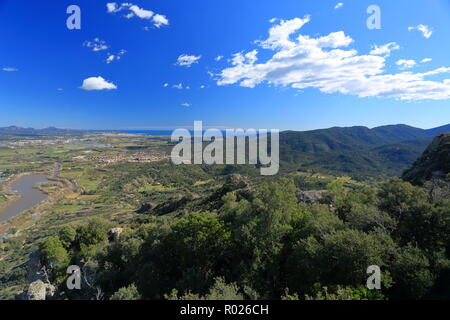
<point>310,196</point>
<point>39,290</point>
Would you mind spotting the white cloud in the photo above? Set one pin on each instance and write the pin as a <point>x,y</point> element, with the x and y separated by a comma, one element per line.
<point>426,60</point>
<point>202,86</point>
<point>186,104</point>
<point>186,60</point>
<point>115,57</point>
<point>218,58</point>
<point>139,12</point>
<point>132,10</point>
<point>405,64</point>
<point>10,69</point>
<point>96,45</point>
<point>165,85</point>
<point>160,20</point>
<point>384,50</point>
<point>178,86</point>
<point>112,7</point>
<point>97,83</point>
<point>111,58</point>
<point>425,30</point>
<point>279,35</point>
<point>338,6</point>
<point>325,63</point>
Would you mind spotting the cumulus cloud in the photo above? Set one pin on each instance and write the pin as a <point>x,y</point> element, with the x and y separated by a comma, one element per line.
<point>178,86</point>
<point>279,34</point>
<point>186,60</point>
<point>425,30</point>
<point>186,104</point>
<point>97,83</point>
<point>218,58</point>
<point>131,10</point>
<point>338,6</point>
<point>165,85</point>
<point>426,60</point>
<point>96,45</point>
<point>327,64</point>
<point>405,64</point>
<point>10,69</point>
<point>384,50</point>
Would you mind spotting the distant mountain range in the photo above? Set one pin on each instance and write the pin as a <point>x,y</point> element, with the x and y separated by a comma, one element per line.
<point>356,151</point>
<point>19,131</point>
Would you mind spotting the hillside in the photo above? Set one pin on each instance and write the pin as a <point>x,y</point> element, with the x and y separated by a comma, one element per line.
<point>435,161</point>
<point>356,151</point>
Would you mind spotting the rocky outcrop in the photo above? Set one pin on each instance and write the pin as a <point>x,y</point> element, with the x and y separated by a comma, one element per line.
<point>439,189</point>
<point>434,162</point>
<point>114,234</point>
<point>38,290</point>
<point>39,287</point>
<point>310,196</point>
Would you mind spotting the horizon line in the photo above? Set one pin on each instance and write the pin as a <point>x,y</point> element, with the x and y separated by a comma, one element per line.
<point>191,127</point>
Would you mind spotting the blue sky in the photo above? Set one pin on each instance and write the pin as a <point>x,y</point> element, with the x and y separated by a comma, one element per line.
<point>331,76</point>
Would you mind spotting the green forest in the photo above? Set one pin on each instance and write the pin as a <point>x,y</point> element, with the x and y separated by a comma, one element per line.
<point>266,245</point>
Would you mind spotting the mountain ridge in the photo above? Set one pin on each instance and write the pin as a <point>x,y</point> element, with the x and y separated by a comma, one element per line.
<point>358,150</point>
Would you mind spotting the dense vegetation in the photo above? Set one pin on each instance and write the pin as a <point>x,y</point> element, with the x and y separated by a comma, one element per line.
<point>266,244</point>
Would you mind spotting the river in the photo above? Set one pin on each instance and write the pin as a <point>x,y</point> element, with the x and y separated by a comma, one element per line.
<point>29,195</point>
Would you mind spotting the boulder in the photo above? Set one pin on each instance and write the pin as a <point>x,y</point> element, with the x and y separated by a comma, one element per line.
<point>38,290</point>
<point>114,234</point>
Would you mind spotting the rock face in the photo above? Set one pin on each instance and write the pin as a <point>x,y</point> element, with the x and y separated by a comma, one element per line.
<point>439,189</point>
<point>39,290</point>
<point>434,162</point>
